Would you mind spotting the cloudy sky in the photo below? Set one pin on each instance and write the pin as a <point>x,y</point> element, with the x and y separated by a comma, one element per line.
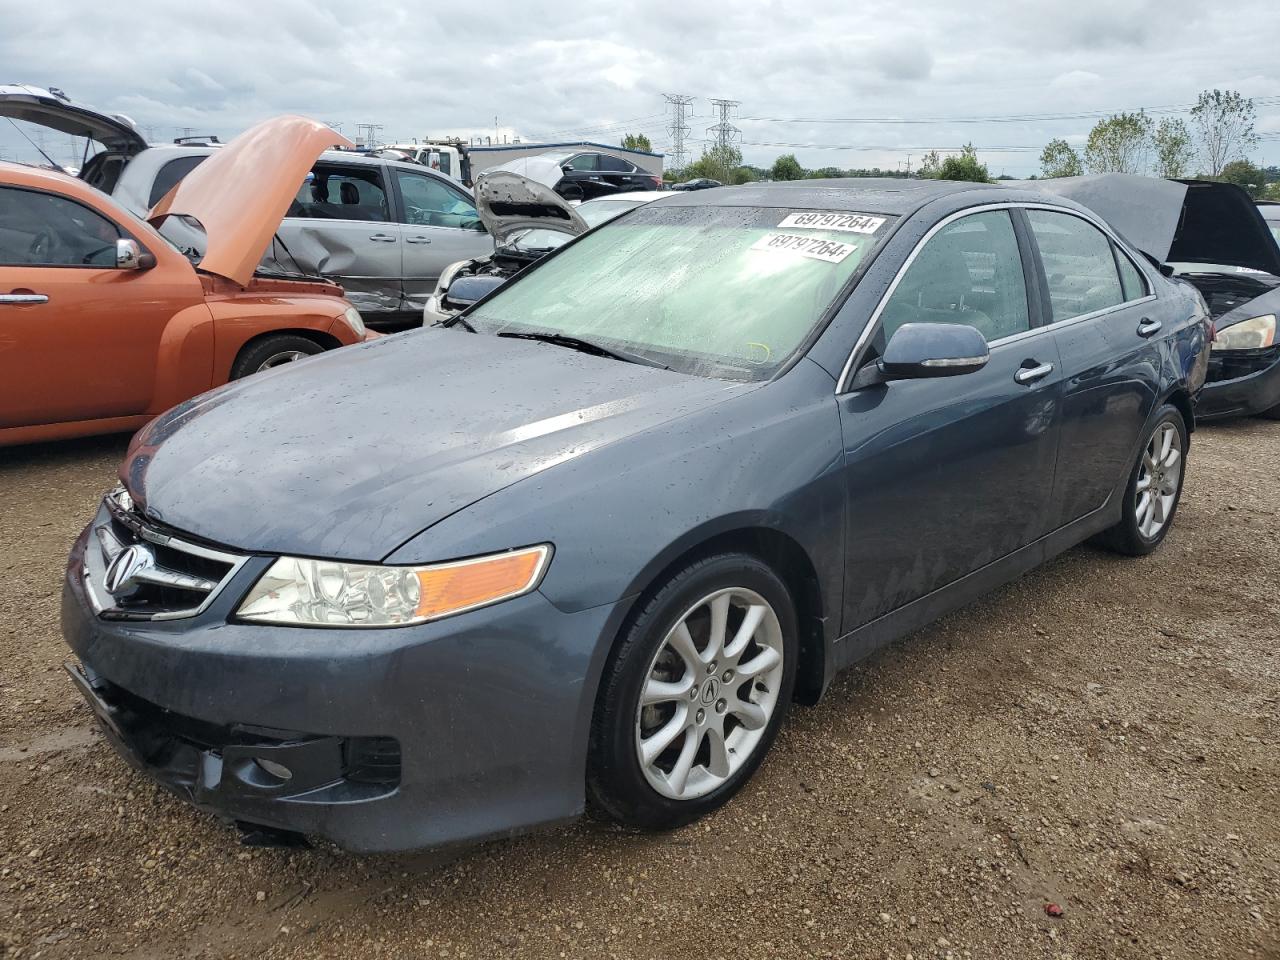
<point>596,70</point>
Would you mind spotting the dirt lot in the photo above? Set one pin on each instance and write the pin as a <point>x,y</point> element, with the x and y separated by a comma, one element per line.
<point>1100,735</point>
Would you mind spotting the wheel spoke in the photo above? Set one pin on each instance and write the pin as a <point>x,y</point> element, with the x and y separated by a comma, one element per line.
<point>752,715</point>
<point>679,775</point>
<point>681,641</point>
<point>1144,482</point>
<point>1172,459</point>
<point>746,630</point>
<point>718,765</point>
<point>663,691</point>
<point>762,662</point>
<point>1166,441</point>
<point>1144,506</point>
<point>719,626</point>
<point>651,748</point>
<point>1157,511</point>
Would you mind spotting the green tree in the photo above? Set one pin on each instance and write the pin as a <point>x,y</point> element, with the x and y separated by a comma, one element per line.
<point>1172,142</point>
<point>931,166</point>
<point>718,163</point>
<point>1059,159</point>
<point>964,167</point>
<point>1119,144</point>
<point>1244,174</point>
<point>787,167</point>
<point>1223,121</point>
<point>637,141</point>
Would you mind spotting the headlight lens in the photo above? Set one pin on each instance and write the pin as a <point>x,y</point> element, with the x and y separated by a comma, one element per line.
<point>326,593</point>
<point>1249,335</point>
<point>354,321</point>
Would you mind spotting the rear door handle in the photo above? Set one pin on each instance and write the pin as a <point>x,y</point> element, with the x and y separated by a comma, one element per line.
<point>1148,327</point>
<point>1027,375</point>
<point>23,298</point>
<point>419,239</point>
<point>383,238</point>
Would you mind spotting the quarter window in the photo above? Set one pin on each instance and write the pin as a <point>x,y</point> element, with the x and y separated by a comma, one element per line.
<point>428,202</point>
<point>969,272</point>
<point>1078,264</point>
<point>45,230</point>
<point>1131,282</point>
<point>333,192</point>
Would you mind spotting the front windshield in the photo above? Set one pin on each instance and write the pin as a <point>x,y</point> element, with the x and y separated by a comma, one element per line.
<point>714,291</point>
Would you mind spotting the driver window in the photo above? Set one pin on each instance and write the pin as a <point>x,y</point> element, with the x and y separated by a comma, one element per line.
<point>431,203</point>
<point>583,161</point>
<point>969,272</point>
<point>45,230</point>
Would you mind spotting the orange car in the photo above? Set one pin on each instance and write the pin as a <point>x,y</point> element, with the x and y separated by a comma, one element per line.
<point>106,321</point>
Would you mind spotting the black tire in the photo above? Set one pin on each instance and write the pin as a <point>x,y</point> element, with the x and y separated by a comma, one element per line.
<point>1127,537</point>
<point>616,782</point>
<point>259,352</point>
<point>1272,414</point>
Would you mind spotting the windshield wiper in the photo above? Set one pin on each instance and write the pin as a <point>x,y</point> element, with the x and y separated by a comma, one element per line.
<point>457,318</point>
<point>585,346</point>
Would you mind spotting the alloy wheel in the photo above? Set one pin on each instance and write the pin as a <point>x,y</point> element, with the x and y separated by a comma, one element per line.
<point>283,357</point>
<point>709,693</point>
<point>1158,480</point>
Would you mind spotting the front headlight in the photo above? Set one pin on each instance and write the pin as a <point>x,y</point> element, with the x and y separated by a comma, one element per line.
<point>1249,335</point>
<point>354,321</point>
<point>326,593</point>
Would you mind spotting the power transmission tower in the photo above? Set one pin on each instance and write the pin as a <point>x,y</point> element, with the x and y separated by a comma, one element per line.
<point>678,128</point>
<point>724,133</point>
<point>368,132</point>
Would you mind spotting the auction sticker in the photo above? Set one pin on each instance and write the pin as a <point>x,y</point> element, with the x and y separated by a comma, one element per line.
<point>848,222</point>
<point>832,251</point>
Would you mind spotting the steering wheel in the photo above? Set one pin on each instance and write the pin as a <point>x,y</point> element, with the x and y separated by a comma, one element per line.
<point>42,246</point>
<point>418,216</point>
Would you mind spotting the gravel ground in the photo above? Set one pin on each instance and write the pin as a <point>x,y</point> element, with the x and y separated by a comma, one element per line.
<point>1099,735</point>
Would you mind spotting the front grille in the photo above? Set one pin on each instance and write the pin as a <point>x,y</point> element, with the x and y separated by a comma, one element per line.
<point>135,570</point>
<point>1233,364</point>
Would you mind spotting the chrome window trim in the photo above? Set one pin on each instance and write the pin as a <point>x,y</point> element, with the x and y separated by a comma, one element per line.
<point>868,331</point>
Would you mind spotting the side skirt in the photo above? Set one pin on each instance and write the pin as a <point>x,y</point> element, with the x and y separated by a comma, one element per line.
<point>870,637</point>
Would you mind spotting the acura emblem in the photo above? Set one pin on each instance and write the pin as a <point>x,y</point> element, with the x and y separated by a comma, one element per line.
<point>122,575</point>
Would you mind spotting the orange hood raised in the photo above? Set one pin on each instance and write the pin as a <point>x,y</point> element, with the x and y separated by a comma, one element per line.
<point>242,192</point>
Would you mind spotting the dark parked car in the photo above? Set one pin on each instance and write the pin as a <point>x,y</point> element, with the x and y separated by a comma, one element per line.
<point>583,175</point>
<point>702,183</point>
<point>592,539</point>
<point>1213,236</point>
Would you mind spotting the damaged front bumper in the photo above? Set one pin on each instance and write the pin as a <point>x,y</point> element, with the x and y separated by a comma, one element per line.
<point>1240,383</point>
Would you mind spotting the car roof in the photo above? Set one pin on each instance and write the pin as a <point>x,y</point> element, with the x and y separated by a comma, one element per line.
<point>27,175</point>
<point>888,195</point>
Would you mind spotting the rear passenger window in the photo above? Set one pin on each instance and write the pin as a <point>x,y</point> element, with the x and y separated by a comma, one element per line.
<point>1131,282</point>
<point>1078,264</point>
<point>332,192</point>
<point>615,164</point>
<point>969,272</point>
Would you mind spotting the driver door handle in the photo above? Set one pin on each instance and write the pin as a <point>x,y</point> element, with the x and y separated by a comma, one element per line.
<point>1027,375</point>
<point>383,238</point>
<point>1148,327</point>
<point>23,298</point>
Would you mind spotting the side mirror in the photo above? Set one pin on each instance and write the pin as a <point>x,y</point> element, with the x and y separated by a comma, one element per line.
<point>130,256</point>
<point>920,350</point>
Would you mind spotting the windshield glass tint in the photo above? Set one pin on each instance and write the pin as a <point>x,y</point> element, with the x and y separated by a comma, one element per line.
<point>713,291</point>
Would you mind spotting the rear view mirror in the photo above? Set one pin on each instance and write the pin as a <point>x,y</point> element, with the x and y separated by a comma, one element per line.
<point>920,350</point>
<point>130,256</point>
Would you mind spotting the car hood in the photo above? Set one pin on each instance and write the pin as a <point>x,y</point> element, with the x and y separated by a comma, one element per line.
<point>1183,221</point>
<point>352,453</point>
<point>53,109</point>
<point>508,203</point>
<point>544,170</point>
<point>242,191</point>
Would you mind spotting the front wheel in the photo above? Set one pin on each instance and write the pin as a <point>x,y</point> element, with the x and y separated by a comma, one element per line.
<point>694,693</point>
<point>273,351</point>
<point>1154,489</point>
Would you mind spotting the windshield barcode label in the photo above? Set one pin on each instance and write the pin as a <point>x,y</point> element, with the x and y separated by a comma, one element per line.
<point>848,222</point>
<point>832,251</point>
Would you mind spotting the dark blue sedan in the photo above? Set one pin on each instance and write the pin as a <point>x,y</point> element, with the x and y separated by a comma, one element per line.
<point>591,540</point>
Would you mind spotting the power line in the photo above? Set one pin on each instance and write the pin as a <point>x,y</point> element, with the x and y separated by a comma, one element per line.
<point>724,133</point>
<point>678,129</point>
<point>367,133</point>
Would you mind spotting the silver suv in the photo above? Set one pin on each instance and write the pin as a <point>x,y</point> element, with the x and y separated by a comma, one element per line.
<point>384,229</point>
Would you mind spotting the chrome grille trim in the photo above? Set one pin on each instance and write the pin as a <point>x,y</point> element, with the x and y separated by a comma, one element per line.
<point>120,510</point>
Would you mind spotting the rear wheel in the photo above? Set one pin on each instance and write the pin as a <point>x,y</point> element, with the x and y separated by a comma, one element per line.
<point>1154,489</point>
<point>694,694</point>
<point>273,351</point>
